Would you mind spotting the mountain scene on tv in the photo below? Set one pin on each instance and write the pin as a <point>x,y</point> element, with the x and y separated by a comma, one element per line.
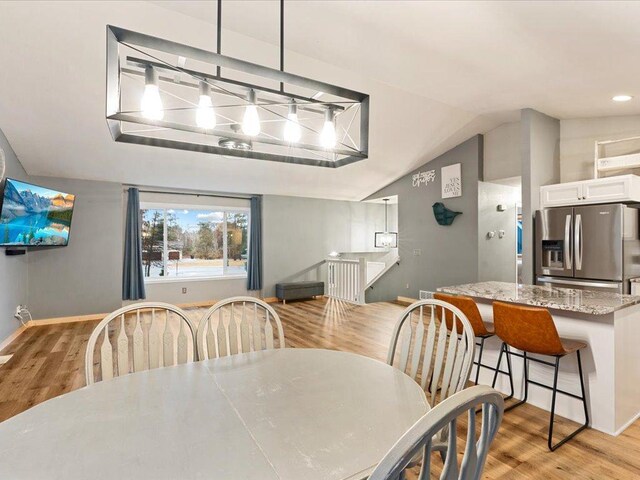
<point>34,216</point>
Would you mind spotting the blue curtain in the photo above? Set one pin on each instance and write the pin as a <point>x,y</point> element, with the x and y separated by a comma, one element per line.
<point>132,273</point>
<point>254,265</point>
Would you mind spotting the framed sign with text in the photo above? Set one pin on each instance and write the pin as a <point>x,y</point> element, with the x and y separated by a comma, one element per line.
<point>451,181</point>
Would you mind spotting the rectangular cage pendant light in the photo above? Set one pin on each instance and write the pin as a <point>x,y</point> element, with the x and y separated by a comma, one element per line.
<point>170,95</point>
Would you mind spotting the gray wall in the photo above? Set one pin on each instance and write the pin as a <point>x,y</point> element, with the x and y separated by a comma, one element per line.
<point>540,166</point>
<point>86,276</point>
<point>197,290</point>
<point>300,232</point>
<point>13,270</point>
<point>497,256</point>
<point>448,255</point>
<point>502,158</point>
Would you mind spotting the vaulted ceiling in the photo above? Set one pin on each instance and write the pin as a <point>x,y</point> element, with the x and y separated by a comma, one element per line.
<point>437,73</point>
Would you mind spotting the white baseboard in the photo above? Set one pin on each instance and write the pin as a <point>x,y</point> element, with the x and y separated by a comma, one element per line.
<point>626,425</point>
<point>93,317</point>
<point>7,341</point>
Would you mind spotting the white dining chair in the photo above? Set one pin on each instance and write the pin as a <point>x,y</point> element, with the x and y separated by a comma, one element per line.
<point>418,440</point>
<point>437,354</point>
<point>140,337</point>
<point>238,325</point>
<point>434,350</point>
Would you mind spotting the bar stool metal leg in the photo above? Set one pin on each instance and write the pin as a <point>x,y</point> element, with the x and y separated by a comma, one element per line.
<point>550,443</point>
<point>482,339</point>
<point>503,349</point>
<point>526,383</point>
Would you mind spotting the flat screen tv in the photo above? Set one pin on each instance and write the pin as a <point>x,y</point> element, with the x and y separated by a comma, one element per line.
<point>34,216</point>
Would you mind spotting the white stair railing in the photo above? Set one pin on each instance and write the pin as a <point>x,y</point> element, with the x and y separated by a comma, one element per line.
<point>347,279</point>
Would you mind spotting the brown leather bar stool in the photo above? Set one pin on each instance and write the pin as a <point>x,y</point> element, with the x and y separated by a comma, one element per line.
<point>532,331</point>
<point>480,330</point>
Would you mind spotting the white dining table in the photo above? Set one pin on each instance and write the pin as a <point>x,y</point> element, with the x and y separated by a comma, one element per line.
<point>277,414</point>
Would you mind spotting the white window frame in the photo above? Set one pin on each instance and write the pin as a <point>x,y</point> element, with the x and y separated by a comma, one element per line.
<point>212,208</point>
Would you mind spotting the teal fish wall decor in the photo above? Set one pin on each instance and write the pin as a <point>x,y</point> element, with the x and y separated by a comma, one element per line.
<point>443,215</point>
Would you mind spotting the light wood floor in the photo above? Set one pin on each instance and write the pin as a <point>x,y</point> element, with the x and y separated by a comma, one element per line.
<point>49,360</point>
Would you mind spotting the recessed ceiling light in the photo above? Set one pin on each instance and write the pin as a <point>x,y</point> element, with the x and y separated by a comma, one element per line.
<point>622,98</point>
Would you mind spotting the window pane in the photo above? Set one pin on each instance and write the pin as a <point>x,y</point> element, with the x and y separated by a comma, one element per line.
<point>194,242</point>
<point>152,242</point>
<point>237,229</point>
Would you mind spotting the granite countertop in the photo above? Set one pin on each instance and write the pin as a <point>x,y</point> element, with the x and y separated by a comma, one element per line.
<point>591,302</point>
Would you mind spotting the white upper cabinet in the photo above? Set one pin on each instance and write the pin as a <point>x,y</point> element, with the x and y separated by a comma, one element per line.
<point>623,188</point>
<point>561,194</point>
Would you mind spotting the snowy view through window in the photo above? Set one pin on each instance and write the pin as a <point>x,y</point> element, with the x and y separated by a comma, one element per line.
<point>189,243</point>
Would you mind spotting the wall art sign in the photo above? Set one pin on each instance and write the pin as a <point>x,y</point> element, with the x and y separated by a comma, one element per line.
<point>422,178</point>
<point>451,181</point>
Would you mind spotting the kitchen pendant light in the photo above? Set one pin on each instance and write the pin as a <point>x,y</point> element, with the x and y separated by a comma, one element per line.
<point>291,124</point>
<point>205,115</point>
<point>386,239</point>
<point>292,131</point>
<point>251,119</point>
<point>151,103</point>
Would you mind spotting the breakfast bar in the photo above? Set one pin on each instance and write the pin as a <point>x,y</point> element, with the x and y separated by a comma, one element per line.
<point>608,322</point>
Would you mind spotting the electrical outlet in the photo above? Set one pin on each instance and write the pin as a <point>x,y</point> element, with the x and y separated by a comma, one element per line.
<point>417,252</point>
<point>407,286</point>
<point>184,289</point>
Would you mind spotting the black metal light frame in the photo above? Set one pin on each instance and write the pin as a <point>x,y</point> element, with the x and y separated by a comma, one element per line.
<point>115,116</point>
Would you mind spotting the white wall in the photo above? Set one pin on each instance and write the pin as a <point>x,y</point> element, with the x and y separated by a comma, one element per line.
<point>578,137</point>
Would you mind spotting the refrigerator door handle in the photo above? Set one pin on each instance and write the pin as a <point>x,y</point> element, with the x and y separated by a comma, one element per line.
<point>578,242</point>
<point>568,260</point>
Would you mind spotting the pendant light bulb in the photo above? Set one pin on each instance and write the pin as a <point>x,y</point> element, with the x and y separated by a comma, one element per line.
<point>205,115</point>
<point>151,104</point>
<point>328,134</point>
<point>251,120</point>
<point>292,131</point>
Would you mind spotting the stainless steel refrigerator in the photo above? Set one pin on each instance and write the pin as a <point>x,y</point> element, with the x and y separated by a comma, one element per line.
<point>595,247</point>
